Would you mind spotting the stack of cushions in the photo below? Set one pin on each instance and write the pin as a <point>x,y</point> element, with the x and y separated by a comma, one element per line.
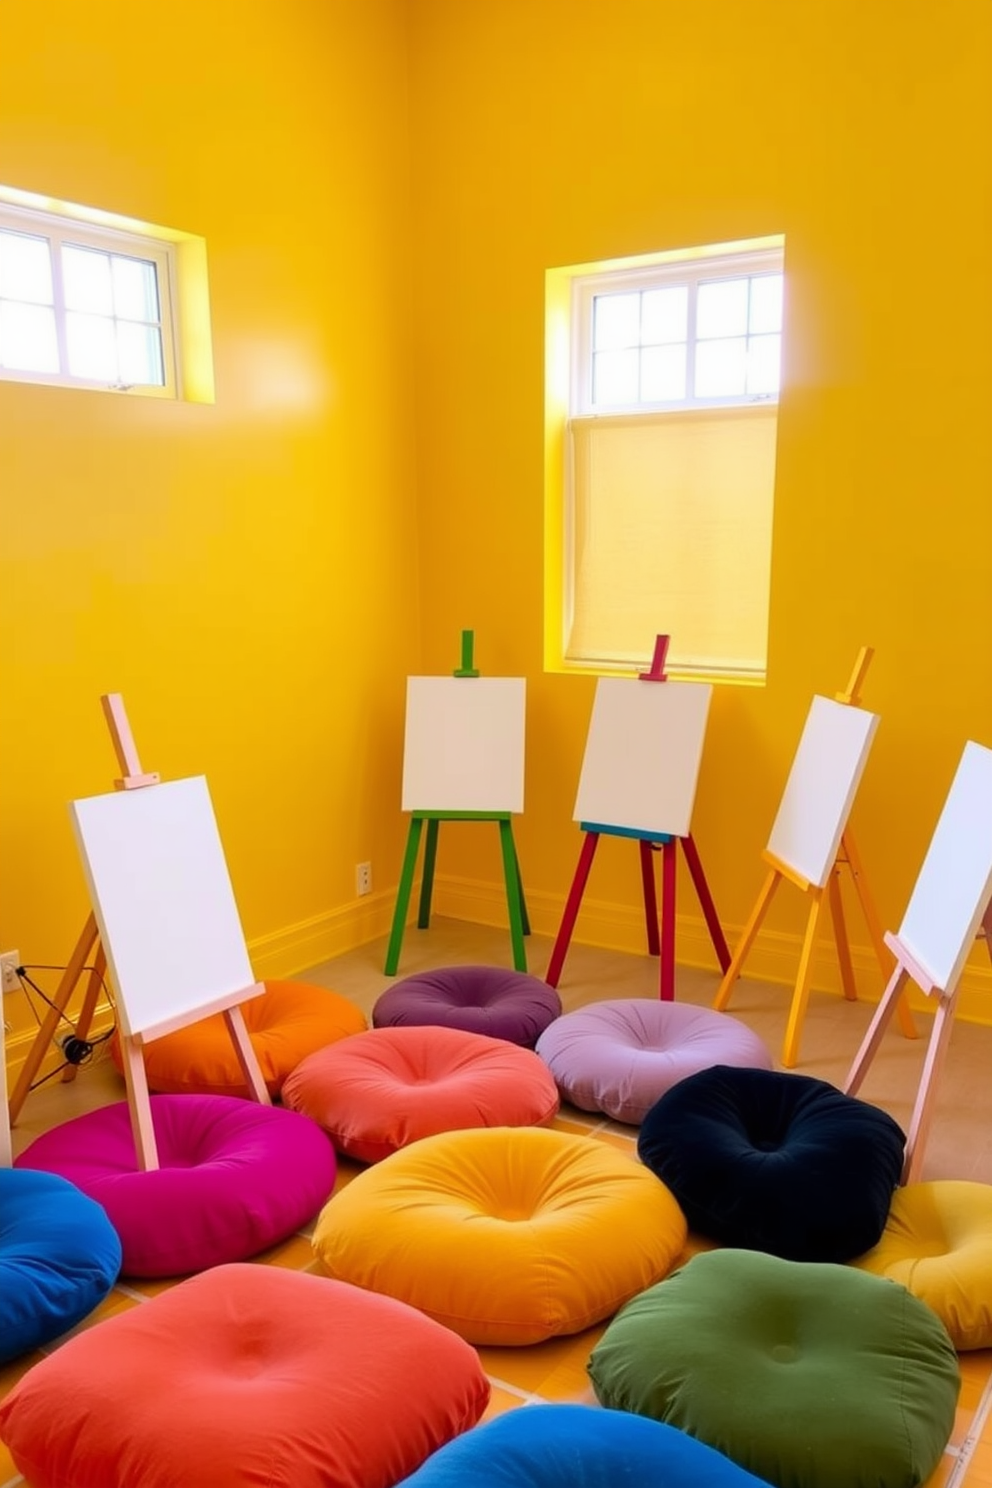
<point>234,1177</point>
<point>938,1243</point>
<point>507,1235</point>
<point>285,1023</point>
<point>59,1257</point>
<point>775,1162</point>
<point>620,1057</point>
<point>246,1375</point>
<point>381,1090</point>
<point>807,1375</point>
<point>577,1446</point>
<point>480,999</point>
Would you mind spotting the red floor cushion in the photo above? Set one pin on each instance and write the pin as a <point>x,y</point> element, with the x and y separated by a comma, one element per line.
<point>381,1090</point>
<point>242,1377</point>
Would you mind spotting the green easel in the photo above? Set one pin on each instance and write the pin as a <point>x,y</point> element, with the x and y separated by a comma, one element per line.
<point>519,923</point>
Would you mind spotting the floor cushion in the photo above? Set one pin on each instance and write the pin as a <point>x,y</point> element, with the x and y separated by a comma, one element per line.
<point>244,1376</point>
<point>774,1161</point>
<point>481,999</point>
<point>233,1177</point>
<point>381,1090</point>
<point>787,1368</point>
<point>508,1235</point>
<point>577,1446</point>
<point>286,1022</point>
<point>59,1257</point>
<point>938,1243</point>
<point>620,1057</point>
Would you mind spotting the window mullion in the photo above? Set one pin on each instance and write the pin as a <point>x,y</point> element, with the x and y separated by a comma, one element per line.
<point>58,300</point>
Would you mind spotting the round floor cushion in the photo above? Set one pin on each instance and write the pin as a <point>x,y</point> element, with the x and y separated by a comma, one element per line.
<point>620,1057</point>
<point>773,1161</point>
<point>577,1446</point>
<point>508,1235</point>
<point>285,1023</point>
<point>233,1178</point>
<point>787,1368</point>
<point>389,1087</point>
<point>59,1257</point>
<point>244,1376</point>
<point>481,999</point>
<point>938,1243</point>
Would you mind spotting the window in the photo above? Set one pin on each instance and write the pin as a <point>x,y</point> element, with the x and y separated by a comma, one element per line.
<point>661,467</point>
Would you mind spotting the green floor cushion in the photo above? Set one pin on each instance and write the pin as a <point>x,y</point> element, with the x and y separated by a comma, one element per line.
<point>787,1368</point>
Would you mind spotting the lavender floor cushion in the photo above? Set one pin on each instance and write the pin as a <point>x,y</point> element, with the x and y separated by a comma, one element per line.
<point>620,1057</point>
<point>480,999</point>
<point>234,1177</point>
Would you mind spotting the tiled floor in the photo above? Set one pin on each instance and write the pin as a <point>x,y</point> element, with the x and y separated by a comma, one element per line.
<point>960,1145</point>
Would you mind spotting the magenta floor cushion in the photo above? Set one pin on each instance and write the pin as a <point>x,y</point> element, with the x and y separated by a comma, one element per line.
<point>481,999</point>
<point>234,1177</point>
<point>620,1057</point>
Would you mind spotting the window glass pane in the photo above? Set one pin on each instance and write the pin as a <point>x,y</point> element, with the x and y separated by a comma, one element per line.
<point>720,368</point>
<point>140,354</point>
<point>766,303</point>
<point>25,270</point>
<point>662,374</point>
<point>27,338</point>
<point>721,308</point>
<point>664,315</point>
<point>763,356</point>
<point>135,288</point>
<point>86,276</point>
<point>91,345</point>
<point>614,377</point>
<point>616,321</point>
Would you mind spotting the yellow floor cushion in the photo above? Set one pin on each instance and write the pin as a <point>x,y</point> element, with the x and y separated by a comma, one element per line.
<point>507,1235</point>
<point>938,1243</point>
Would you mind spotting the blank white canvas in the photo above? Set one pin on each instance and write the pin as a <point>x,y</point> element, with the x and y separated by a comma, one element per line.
<point>163,901</point>
<point>954,885</point>
<point>821,788</point>
<point>464,744</point>
<point>642,756</point>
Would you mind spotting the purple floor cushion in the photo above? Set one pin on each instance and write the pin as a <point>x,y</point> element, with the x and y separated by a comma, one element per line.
<point>234,1177</point>
<point>481,999</point>
<point>620,1057</point>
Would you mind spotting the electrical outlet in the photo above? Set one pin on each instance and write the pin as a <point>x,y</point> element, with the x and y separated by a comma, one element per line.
<point>9,962</point>
<point>363,878</point>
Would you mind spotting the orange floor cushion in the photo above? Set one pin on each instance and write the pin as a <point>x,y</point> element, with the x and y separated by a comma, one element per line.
<point>508,1235</point>
<point>384,1089</point>
<point>242,1376</point>
<point>288,1021</point>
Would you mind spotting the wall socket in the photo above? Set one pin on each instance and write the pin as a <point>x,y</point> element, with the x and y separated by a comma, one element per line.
<point>363,878</point>
<point>9,962</point>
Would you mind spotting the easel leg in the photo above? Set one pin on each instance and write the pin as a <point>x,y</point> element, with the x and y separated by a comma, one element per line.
<point>46,1032</point>
<point>524,917</point>
<point>247,1058</point>
<point>94,986</point>
<point>571,909</point>
<point>669,864</point>
<point>920,1122</point>
<point>427,882</point>
<point>706,901</point>
<point>650,897</point>
<point>751,929</point>
<point>511,874</point>
<point>850,852</point>
<point>800,997</point>
<point>876,1028</point>
<point>840,935</point>
<point>139,1104</point>
<point>403,895</point>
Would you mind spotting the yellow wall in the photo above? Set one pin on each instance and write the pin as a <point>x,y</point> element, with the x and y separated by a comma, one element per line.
<point>568,131</point>
<point>243,572</point>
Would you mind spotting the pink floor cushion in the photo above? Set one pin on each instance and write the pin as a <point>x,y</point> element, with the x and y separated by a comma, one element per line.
<point>620,1057</point>
<point>481,999</point>
<point>243,1377</point>
<point>288,1021</point>
<point>234,1177</point>
<point>381,1090</point>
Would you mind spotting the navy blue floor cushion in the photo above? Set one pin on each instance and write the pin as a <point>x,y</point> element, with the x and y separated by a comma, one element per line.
<point>59,1257</point>
<point>765,1160</point>
<point>577,1446</point>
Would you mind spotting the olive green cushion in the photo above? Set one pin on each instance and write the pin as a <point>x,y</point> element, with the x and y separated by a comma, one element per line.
<point>785,1367</point>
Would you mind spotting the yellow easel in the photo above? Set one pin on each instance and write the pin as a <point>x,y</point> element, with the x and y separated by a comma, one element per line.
<point>848,860</point>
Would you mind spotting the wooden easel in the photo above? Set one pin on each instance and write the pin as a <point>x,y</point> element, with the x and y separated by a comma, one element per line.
<point>848,859</point>
<point>132,778</point>
<point>663,945</point>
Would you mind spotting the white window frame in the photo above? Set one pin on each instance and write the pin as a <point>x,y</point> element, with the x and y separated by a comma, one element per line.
<point>65,231</point>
